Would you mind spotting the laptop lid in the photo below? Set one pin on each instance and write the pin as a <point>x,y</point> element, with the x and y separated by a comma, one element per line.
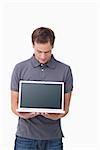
<point>41,96</point>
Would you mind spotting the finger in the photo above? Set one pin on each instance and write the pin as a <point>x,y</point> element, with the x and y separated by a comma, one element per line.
<point>44,113</point>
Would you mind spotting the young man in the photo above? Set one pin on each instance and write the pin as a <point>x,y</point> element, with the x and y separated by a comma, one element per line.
<point>40,131</point>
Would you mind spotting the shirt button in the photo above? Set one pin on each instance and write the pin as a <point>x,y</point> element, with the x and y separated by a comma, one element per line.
<point>41,65</point>
<point>42,69</point>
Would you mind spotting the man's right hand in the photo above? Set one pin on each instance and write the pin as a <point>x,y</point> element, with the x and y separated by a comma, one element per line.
<point>28,115</point>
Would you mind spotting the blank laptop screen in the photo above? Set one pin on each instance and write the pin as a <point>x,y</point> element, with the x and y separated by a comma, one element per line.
<point>41,95</point>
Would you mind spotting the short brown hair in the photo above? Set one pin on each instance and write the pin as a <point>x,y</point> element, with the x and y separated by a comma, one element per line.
<point>43,35</point>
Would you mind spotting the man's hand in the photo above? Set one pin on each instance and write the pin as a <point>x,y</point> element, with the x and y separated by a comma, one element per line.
<point>28,115</point>
<point>53,116</point>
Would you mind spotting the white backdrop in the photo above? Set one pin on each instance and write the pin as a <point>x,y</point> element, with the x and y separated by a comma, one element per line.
<point>75,27</point>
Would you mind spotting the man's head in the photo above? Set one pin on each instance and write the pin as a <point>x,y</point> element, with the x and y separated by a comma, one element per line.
<point>43,42</point>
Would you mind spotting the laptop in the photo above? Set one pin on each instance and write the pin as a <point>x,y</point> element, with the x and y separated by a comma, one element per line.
<point>41,96</point>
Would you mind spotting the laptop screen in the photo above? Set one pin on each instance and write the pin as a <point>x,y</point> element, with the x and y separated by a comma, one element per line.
<point>41,95</point>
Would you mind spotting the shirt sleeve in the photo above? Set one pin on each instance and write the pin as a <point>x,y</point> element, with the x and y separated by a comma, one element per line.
<point>15,78</point>
<point>68,81</point>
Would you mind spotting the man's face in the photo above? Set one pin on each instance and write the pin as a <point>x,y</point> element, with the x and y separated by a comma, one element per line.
<point>42,52</point>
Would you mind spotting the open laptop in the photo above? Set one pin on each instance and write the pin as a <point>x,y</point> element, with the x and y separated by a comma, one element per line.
<point>41,96</point>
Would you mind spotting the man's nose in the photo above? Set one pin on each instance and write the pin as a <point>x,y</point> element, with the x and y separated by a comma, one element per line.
<point>43,55</point>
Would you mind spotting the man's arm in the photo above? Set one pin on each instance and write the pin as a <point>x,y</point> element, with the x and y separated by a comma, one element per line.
<point>67,98</point>
<point>14,102</point>
<point>14,106</point>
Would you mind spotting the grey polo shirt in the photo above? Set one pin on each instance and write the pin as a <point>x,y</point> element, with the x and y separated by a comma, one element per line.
<point>40,127</point>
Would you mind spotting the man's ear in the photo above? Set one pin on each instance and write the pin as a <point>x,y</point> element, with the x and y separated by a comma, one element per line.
<point>32,45</point>
<point>53,46</point>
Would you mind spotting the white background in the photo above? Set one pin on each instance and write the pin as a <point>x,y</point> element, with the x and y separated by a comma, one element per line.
<point>76,26</point>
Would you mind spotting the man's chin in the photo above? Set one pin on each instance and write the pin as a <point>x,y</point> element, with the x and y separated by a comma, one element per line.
<point>43,62</point>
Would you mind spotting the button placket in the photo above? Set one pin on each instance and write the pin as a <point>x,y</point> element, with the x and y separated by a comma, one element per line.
<point>43,67</point>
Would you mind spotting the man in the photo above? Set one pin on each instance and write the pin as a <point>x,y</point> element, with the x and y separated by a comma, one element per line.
<point>40,131</point>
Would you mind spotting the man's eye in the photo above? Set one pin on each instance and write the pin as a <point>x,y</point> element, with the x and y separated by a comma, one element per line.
<point>39,52</point>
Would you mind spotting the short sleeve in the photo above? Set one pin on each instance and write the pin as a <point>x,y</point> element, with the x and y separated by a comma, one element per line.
<point>68,82</point>
<point>15,78</point>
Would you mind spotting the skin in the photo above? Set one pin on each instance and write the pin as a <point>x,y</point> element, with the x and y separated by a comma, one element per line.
<point>43,54</point>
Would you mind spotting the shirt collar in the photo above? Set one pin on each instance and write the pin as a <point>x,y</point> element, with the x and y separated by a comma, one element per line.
<point>51,64</point>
